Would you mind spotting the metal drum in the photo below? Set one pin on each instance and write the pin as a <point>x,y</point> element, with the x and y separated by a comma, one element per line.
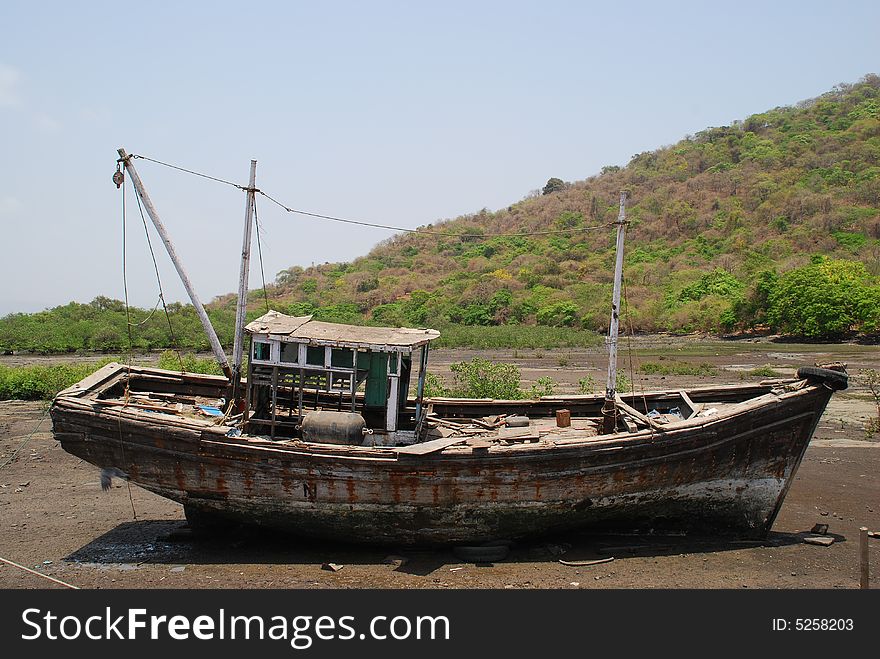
<point>327,427</point>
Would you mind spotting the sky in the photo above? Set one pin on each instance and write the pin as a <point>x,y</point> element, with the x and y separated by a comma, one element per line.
<point>400,113</point>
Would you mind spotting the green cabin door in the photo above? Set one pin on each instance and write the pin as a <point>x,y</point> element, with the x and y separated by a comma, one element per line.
<point>376,394</point>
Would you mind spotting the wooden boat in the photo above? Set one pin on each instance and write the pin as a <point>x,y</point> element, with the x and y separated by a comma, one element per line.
<point>724,467</point>
<point>327,441</point>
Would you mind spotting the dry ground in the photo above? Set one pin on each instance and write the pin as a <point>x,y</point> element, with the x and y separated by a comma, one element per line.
<point>55,518</point>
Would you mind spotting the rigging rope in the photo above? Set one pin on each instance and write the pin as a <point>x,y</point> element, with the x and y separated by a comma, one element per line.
<point>27,439</point>
<point>158,279</point>
<point>130,344</point>
<point>629,349</point>
<point>152,313</point>
<point>260,252</point>
<point>39,574</point>
<point>125,280</point>
<point>430,232</point>
<point>376,225</point>
<point>190,171</point>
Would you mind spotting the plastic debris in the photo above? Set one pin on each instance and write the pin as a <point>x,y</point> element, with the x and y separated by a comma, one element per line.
<point>210,410</point>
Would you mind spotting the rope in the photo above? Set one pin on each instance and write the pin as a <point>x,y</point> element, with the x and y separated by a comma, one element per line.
<point>158,278</point>
<point>27,439</point>
<point>190,171</point>
<point>39,574</point>
<point>629,350</point>
<point>125,281</point>
<point>130,342</point>
<point>429,232</point>
<point>152,313</point>
<point>260,252</point>
<point>375,225</point>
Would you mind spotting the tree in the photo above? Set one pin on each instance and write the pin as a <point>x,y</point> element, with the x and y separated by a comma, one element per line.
<point>558,314</point>
<point>824,300</point>
<point>554,185</point>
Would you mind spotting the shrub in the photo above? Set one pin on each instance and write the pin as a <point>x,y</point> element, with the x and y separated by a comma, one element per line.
<point>480,378</point>
<point>825,300</point>
<point>587,385</point>
<point>558,314</point>
<point>42,382</point>
<point>677,368</point>
<point>544,386</point>
<point>514,336</point>
<point>435,387</point>
<point>718,282</point>
<point>188,362</point>
<point>553,185</point>
<point>765,371</point>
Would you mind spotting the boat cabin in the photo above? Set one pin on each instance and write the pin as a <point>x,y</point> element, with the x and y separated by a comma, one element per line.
<point>298,366</point>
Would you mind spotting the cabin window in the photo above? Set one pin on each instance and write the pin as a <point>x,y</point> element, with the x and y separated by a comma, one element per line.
<point>392,363</point>
<point>289,352</point>
<point>342,358</point>
<point>262,351</point>
<point>315,356</point>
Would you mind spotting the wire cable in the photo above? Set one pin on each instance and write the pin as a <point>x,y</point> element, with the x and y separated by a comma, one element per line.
<point>431,232</point>
<point>189,171</point>
<point>130,342</point>
<point>27,439</point>
<point>260,252</point>
<point>158,279</point>
<point>39,574</point>
<point>376,225</point>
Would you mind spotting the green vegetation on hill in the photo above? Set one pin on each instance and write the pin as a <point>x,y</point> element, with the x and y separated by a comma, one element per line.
<point>724,228</point>
<point>771,222</point>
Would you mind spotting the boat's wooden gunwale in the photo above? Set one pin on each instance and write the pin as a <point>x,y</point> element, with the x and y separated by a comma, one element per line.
<point>198,430</point>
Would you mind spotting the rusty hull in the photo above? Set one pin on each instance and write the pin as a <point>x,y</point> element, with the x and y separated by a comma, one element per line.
<point>726,473</point>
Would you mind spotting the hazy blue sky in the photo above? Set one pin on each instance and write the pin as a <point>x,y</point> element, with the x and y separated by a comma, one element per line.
<point>396,112</point>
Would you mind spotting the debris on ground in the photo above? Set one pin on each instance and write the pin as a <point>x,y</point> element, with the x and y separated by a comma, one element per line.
<point>820,529</point>
<point>821,540</point>
<point>586,563</point>
<point>396,561</point>
<point>332,567</point>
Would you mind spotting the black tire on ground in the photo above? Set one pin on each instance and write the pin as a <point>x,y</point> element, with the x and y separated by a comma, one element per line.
<point>834,379</point>
<point>202,521</point>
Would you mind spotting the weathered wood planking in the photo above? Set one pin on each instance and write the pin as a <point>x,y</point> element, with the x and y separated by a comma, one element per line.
<point>728,472</point>
<point>432,446</point>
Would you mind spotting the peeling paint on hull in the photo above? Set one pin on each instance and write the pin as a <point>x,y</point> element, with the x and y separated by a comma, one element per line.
<point>725,474</point>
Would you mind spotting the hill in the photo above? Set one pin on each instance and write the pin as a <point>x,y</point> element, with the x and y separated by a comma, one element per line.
<point>773,221</point>
<point>717,220</point>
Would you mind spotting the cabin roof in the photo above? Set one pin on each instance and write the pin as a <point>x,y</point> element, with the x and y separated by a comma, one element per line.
<point>303,328</point>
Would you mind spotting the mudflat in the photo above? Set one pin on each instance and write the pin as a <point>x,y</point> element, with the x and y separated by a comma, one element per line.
<point>55,519</point>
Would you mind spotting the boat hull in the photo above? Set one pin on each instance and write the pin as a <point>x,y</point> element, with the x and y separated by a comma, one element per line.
<point>725,475</point>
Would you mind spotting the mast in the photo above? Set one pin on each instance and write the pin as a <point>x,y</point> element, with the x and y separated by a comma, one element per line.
<point>219,355</point>
<point>609,409</point>
<point>241,307</point>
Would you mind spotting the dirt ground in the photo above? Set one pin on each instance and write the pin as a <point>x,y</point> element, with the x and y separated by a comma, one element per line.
<point>55,519</point>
